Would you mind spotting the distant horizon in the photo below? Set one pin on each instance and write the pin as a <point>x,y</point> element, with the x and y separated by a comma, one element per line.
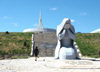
<point>17,15</point>
<point>28,32</point>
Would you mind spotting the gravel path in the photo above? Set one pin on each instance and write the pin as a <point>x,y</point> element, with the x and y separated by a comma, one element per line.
<point>49,64</point>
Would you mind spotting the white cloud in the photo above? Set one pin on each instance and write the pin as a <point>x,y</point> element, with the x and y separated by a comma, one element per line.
<point>15,24</point>
<point>83,13</point>
<point>4,17</point>
<point>28,30</point>
<point>96,31</point>
<point>53,9</point>
<point>72,20</point>
<point>35,25</point>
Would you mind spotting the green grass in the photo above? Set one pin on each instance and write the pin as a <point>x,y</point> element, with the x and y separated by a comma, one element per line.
<point>13,44</point>
<point>89,44</point>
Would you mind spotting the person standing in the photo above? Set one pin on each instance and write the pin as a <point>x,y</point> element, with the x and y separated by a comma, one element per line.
<point>36,53</point>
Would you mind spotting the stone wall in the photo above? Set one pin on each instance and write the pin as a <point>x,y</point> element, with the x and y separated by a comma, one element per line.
<point>46,43</point>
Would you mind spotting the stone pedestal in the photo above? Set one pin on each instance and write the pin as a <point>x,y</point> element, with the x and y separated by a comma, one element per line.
<point>67,53</point>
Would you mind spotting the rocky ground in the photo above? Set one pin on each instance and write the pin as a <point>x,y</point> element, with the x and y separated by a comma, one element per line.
<point>49,64</point>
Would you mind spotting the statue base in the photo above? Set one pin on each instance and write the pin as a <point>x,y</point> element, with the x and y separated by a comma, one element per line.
<point>67,53</point>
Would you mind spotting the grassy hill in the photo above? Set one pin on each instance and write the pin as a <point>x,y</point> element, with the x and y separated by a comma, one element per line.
<point>20,44</point>
<point>89,44</point>
<point>15,44</point>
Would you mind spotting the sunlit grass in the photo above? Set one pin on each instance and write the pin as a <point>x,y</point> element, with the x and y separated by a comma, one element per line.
<point>89,44</point>
<point>13,44</point>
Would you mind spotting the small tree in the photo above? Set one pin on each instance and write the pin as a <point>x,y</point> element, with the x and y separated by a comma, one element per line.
<point>7,32</point>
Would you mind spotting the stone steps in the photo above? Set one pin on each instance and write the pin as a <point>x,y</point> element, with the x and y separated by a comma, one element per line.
<point>47,42</point>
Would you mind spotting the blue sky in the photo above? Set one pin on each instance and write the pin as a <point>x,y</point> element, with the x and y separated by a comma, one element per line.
<point>17,15</point>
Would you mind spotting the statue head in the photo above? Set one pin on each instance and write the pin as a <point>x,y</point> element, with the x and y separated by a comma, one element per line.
<point>66,23</point>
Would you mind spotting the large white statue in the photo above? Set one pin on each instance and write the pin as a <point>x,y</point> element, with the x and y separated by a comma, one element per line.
<point>65,48</point>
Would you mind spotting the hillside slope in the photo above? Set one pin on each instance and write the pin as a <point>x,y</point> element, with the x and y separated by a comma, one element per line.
<point>20,44</point>
<point>15,44</point>
<point>89,44</point>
